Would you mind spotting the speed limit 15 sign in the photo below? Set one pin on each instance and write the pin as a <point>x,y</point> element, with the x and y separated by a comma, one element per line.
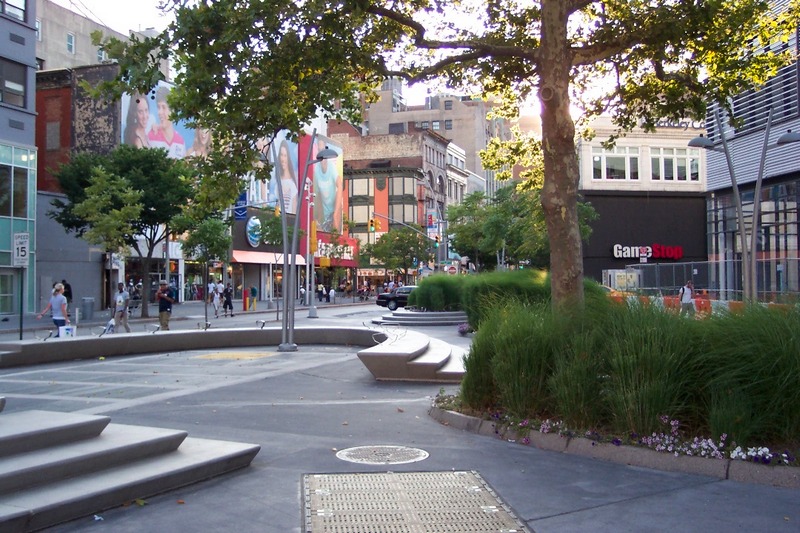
<point>22,249</point>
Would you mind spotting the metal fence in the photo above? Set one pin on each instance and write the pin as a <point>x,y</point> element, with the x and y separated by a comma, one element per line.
<point>778,280</point>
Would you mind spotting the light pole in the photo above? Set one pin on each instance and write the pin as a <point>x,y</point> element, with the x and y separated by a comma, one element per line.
<point>290,252</point>
<point>749,281</point>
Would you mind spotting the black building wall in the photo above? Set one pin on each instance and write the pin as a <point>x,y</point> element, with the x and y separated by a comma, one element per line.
<point>636,219</point>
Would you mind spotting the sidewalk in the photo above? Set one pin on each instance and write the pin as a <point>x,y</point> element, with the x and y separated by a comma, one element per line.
<point>193,309</point>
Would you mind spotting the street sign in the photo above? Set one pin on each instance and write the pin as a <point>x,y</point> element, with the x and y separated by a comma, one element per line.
<point>22,249</point>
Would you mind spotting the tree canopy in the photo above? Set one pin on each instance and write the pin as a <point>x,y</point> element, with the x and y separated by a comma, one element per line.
<point>250,69</point>
<point>402,249</point>
<point>125,199</point>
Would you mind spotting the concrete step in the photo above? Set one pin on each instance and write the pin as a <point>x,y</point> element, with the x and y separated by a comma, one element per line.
<point>117,445</point>
<point>425,366</point>
<point>26,431</point>
<point>453,370</point>
<point>68,499</point>
<point>422,318</point>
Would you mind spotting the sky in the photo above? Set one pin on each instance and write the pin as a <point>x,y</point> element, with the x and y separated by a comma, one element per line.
<point>120,15</point>
<point>126,15</point>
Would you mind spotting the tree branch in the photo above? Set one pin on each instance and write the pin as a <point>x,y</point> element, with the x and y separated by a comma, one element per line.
<point>476,48</point>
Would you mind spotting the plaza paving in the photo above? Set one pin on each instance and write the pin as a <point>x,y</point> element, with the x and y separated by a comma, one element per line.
<point>303,407</point>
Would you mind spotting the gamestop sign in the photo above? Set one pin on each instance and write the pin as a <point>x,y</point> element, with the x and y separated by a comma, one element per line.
<point>654,251</point>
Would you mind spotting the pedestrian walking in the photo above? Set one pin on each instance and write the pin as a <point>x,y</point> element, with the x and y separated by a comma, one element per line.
<point>215,301</point>
<point>227,299</point>
<point>253,297</point>
<point>686,294</point>
<point>58,306</point>
<point>121,302</point>
<point>165,302</point>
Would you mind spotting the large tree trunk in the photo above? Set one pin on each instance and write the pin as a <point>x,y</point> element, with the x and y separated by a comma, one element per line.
<point>561,173</point>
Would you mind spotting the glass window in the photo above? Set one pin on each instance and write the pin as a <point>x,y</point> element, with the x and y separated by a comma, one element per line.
<point>20,203</point>
<point>674,164</point>
<point>448,124</point>
<point>14,8</point>
<point>71,43</point>
<point>621,163</point>
<point>12,83</point>
<point>101,55</point>
<point>435,125</point>
<point>359,187</point>
<point>38,29</point>
<point>424,125</point>
<point>5,191</point>
<point>448,104</point>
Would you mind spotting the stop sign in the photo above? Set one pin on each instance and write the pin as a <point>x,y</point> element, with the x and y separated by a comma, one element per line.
<point>452,269</point>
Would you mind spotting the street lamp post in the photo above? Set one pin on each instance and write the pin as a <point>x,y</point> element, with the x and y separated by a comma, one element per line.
<point>749,281</point>
<point>290,252</point>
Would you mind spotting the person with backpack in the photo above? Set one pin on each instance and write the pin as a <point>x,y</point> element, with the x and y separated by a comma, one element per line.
<point>686,298</point>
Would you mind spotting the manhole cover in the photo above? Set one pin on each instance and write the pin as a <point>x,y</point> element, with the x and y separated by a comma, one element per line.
<point>382,455</point>
<point>404,502</point>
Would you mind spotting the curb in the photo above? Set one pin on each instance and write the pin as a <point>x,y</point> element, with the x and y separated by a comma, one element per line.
<point>729,469</point>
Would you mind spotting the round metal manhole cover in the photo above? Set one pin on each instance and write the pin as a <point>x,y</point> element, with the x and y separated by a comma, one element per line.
<point>382,455</point>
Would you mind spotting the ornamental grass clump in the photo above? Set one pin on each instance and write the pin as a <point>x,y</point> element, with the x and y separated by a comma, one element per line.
<point>753,366</point>
<point>732,380</point>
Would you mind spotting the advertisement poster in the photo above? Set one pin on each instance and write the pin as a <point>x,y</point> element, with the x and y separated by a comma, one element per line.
<point>147,123</point>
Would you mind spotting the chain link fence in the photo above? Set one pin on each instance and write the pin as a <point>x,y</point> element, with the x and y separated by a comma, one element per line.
<point>778,279</point>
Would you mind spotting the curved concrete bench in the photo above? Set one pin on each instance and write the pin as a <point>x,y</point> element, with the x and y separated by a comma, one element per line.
<point>32,352</point>
<point>413,356</point>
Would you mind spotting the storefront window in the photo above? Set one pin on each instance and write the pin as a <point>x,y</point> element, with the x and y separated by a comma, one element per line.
<point>674,164</point>
<point>619,163</point>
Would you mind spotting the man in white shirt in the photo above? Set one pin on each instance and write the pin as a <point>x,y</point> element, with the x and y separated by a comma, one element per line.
<point>686,295</point>
<point>121,301</point>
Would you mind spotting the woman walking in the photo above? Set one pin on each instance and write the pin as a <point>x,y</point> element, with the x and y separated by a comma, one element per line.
<point>58,305</point>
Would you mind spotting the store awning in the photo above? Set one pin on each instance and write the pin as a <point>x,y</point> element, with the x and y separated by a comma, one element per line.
<point>263,258</point>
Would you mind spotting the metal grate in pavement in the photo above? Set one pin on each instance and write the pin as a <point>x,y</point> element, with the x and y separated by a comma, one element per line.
<point>404,502</point>
<point>382,455</point>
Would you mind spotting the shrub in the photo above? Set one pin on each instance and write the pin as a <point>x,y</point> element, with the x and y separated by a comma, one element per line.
<point>522,285</point>
<point>624,368</point>
<point>577,380</point>
<point>439,292</point>
<point>649,355</point>
<point>478,389</point>
<point>524,357</point>
<point>754,375</point>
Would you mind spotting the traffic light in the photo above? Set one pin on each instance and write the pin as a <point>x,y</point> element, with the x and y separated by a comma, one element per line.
<point>372,225</point>
<point>377,225</point>
<point>277,210</point>
<point>436,242</point>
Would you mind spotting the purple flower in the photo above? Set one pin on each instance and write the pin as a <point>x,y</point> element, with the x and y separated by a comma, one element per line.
<point>616,442</point>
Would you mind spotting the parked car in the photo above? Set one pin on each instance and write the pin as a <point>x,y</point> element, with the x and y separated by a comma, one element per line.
<point>397,298</point>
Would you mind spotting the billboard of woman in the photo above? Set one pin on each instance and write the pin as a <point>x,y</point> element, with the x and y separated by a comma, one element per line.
<point>148,123</point>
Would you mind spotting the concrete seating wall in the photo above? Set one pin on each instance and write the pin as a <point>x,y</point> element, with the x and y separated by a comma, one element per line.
<point>29,352</point>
